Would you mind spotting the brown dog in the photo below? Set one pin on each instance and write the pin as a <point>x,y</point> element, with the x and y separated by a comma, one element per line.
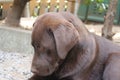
<point>65,50</point>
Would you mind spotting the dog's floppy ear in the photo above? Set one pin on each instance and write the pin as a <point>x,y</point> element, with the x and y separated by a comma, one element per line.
<point>66,36</point>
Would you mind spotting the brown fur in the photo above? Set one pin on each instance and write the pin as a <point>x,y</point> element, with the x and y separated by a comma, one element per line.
<point>66,50</point>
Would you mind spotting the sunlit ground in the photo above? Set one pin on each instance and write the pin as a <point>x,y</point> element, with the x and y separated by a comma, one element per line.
<point>27,23</point>
<point>96,28</point>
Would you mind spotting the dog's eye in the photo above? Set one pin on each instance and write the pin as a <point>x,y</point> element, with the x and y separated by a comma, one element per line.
<point>50,32</point>
<point>36,46</point>
<point>48,52</point>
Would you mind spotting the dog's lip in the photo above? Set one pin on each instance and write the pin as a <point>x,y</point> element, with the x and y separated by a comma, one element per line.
<point>43,75</point>
<point>47,73</point>
<point>34,71</point>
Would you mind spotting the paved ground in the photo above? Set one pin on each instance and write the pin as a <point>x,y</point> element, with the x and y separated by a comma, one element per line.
<point>15,66</point>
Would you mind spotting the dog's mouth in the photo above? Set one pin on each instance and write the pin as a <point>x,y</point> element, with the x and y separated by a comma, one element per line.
<point>46,71</point>
<point>42,72</point>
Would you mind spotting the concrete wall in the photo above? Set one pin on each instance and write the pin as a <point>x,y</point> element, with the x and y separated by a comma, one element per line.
<point>15,40</point>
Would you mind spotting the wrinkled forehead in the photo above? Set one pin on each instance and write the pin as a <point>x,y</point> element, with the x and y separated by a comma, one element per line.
<point>44,40</point>
<point>37,36</point>
<point>37,32</point>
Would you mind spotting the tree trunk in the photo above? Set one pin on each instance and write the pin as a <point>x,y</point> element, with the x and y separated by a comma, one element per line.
<point>109,20</point>
<point>26,12</point>
<point>15,12</point>
<point>77,4</point>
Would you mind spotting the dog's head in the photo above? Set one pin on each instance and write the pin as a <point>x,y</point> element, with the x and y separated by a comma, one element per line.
<point>52,38</point>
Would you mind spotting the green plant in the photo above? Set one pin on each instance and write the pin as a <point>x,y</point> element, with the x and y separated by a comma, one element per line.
<point>101,5</point>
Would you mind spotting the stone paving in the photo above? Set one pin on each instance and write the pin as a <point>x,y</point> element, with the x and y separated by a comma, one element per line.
<point>15,66</point>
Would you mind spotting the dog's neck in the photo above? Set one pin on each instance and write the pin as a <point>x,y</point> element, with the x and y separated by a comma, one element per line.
<point>79,59</point>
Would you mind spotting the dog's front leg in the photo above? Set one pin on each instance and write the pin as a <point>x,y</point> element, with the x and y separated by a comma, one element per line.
<point>112,68</point>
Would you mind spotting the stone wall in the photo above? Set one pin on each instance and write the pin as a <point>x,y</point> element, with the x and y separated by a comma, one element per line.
<point>15,40</point>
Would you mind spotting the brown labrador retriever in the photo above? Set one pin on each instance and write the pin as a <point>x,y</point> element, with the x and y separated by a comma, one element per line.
<point>66,50</point>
